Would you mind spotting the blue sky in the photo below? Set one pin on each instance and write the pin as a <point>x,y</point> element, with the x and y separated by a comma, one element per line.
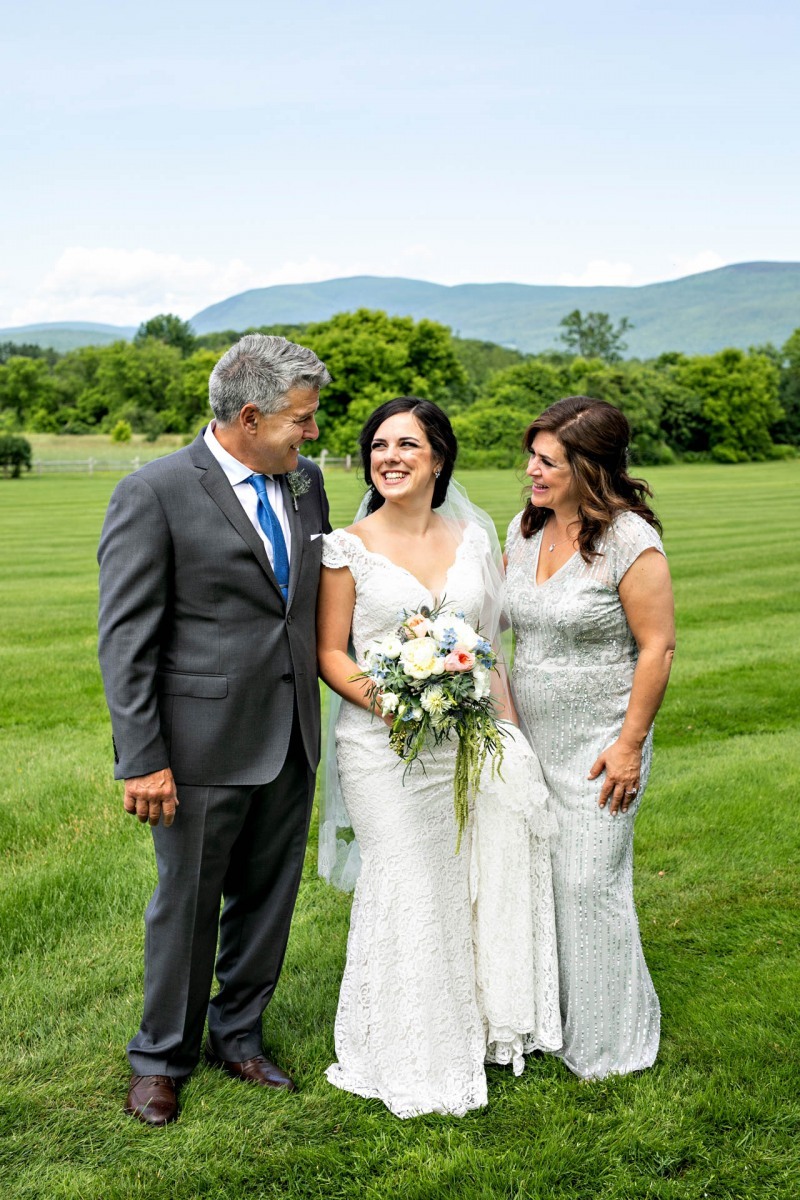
<point>161,156</point>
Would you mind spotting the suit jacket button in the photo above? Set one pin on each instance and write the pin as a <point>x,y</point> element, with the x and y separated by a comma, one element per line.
<point>289,619</point>
<point>288,677</point>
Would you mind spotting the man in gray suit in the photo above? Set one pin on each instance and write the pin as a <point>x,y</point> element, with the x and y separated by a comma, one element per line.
<point>209,566</point>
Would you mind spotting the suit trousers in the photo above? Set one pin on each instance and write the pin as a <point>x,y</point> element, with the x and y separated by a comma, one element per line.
<point>244,846</point>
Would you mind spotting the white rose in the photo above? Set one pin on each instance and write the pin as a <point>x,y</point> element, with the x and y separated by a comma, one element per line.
<point>389,702</point>
<point>465,634</point>
<point>373,651</point>
<point>419,657</point>
<point>481,681</point>
<point>392,647</point>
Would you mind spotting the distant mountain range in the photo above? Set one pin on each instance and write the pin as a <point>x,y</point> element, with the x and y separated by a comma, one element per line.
<point>746,304</point>
<point>68,335</point>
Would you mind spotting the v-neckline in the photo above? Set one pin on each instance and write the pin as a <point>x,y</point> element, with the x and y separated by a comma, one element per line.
<point>385,558</point>
<point>538,560</point>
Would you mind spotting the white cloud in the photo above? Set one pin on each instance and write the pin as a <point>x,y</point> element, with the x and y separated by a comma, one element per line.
<point>125,287</point>
<point>695,264</point>
<point>310,270</point>
<point>600,273</point>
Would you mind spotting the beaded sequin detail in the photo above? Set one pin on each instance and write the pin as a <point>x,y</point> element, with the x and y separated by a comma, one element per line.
<point>575,656</point>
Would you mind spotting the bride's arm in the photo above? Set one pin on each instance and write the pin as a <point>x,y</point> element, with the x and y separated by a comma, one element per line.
<point>335,604</point>
<point>501,694</point>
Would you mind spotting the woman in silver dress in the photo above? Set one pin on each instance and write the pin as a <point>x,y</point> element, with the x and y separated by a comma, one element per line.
<point>590,599</point>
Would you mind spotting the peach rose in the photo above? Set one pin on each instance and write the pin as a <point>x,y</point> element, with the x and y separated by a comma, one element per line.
<point>419,625</point>
<point>459,659</point>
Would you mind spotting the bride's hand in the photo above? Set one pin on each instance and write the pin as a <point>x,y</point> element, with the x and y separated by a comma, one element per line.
<point>387,718</point>
<point>622,764</point>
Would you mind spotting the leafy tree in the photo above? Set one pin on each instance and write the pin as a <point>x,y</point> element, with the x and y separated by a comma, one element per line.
<point>373,357</point>
<point>490,435</point>
<point>25,385</point>
<point>594,335</point>
<point>787,428</point>
<point>481,360</point>
<point>195,372</point>
<point>738,395</point>
<point>634,389</point>
<point>15,453</point>
<point>171,330</point>
<point>27,350</point>
<point>138,382</point>
<point>530,386</point>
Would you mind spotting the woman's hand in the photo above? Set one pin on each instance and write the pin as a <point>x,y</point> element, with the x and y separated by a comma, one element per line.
<point>622,763</point>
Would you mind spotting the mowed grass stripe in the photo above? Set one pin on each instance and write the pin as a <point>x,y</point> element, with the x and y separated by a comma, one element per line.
<point>716,876</point>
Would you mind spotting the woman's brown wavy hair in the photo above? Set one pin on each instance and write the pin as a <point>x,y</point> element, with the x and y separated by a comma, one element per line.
<point>595,437</point>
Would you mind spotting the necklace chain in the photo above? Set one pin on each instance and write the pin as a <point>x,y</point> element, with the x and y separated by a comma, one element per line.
<point>553,545</point>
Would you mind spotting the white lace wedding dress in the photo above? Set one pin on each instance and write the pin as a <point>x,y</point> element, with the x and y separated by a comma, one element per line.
<point>451,958</point>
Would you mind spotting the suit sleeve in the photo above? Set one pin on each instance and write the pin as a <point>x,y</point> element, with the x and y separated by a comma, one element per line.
<point>136,559</point>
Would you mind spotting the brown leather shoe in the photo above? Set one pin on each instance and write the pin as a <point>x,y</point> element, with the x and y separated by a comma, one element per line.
<point>254,1070</point>
<point>153,1099</point>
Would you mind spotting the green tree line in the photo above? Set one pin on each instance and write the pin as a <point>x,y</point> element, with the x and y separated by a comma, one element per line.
<point>731,406</point>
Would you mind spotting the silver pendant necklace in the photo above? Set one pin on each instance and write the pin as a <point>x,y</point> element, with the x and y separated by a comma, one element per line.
<point>553,545</point>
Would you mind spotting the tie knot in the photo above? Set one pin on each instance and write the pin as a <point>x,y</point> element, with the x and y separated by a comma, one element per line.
<point>259,482</point>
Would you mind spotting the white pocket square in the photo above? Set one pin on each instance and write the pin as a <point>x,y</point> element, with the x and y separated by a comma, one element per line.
<point>313,537</point>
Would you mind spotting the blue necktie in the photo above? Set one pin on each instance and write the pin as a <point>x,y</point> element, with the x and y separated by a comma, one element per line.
<point>272,528</point>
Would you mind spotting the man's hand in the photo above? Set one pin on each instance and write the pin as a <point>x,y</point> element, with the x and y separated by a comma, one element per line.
<point>152,797</point>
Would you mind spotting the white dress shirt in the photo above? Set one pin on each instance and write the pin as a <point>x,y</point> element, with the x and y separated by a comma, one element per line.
<point>238,476</point>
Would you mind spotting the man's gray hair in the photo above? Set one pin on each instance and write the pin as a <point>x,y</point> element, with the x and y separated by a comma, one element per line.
<point>260,370</point>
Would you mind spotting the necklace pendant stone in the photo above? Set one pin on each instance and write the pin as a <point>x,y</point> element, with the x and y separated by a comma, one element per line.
<point>551,547</point>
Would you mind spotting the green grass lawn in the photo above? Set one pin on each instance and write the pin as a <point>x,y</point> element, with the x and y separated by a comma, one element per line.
<point>717,848</point>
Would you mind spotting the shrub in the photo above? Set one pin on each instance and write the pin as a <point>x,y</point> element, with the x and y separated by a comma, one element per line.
<point>121,432</point>
<point>15,453</point>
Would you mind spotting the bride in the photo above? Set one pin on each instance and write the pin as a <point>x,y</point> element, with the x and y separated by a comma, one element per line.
<point>450,957</point>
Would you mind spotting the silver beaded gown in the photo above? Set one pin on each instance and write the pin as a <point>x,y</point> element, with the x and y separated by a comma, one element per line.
<point>573,669</point>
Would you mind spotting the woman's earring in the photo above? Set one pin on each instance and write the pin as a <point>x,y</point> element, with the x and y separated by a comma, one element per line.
<point>436,473</point>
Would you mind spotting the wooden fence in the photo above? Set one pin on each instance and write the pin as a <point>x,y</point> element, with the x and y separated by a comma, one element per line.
<point>118,466</point>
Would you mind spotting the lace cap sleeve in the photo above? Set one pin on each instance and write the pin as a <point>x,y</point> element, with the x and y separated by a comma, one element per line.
<point>337,549</point>
<point>630,536</point>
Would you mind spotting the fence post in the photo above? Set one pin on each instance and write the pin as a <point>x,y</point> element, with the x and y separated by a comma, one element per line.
<point>136,463</point>
<point>348,462</point>
<point>323,456</point>
<point>91,465</point>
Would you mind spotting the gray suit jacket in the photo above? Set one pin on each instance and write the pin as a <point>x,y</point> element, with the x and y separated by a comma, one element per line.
<point>201,660</point>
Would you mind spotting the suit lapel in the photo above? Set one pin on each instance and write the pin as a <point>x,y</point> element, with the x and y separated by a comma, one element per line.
<point>298,538</point>
<point>214,481</point>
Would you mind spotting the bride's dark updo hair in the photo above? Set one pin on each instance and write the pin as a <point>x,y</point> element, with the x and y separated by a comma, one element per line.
<point>438,431</point>
<point>595,437</point>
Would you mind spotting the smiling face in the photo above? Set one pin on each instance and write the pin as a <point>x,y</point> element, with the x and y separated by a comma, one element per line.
<point>269,442</point>
<point>554,485</point>
<point>402,462</point>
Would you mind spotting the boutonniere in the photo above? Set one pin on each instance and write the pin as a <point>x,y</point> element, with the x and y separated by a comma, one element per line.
<point>299,483</point>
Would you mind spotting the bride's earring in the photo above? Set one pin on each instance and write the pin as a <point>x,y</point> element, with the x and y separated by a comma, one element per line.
<point>436,473</point>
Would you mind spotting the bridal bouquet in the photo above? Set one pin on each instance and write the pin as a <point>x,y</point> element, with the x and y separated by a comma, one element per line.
<point>433,677</point>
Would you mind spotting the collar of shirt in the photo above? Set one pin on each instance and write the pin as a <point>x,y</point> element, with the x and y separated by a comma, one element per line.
<point>238,476</point>
<point>236,471</point>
